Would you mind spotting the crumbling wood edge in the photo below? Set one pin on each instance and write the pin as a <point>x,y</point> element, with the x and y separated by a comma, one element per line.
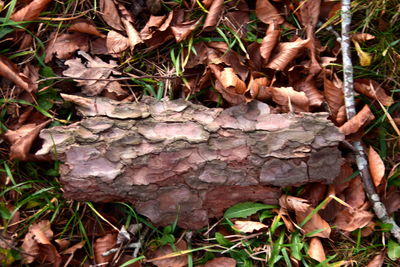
<point>174,158</point>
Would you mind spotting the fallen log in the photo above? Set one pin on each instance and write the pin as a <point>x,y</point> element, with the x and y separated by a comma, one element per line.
<point>175,158</point>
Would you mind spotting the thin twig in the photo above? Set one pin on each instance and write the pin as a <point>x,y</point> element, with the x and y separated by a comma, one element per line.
<point>379,208</point>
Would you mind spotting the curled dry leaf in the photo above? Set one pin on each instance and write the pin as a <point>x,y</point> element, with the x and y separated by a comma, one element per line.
<point>94,69</point>
<point>373,90</point>
<point>308,86</point>
<point>316,250</point>
<point>182,30</point>
<point>231,81</point>
<point>30,11</point>
<point>9,71</point>
<point>362,37</point>
<point>162,257</point>
<point>286,53</point>
<point>352,219</point>
<point>309,13</point>
<point>37,244</point>
<point>152,24</point>
<point>64,45</point>
<point>21,140</point>
<point>109,13</point>
<point>334,94</point>
<point>341,116</point>
<point>103,244</point>
<point>258,88</point>
<point>267,13</point>
<point>116,42</point>
<point>213,15</point>
<point>133,34</point>
<point>376,166</point>
<point>287,96</point>
<point>84,26</point>
<point>293,203</point>
<point>220,262</point>
<point>249,226</point>
<point>358,121</point>
<point>269,41</point>
<point>378,260</point>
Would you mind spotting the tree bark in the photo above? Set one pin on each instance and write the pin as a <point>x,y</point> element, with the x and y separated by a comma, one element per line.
<point>175,158</point>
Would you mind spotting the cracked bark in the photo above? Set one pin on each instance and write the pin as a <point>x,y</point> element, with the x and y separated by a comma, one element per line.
<point>175,157</point>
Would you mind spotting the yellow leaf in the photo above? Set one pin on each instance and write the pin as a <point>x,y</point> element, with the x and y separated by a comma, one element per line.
<point>365,58</point>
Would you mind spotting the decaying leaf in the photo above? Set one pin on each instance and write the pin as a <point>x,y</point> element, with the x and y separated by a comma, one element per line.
<point>334,94</point>
<point>373,90</point>
<point>9,71</point>
<point>109,12</point>
<point>258,88</point>
<point>182,30</point>
<point>116,42</point>
<point>352,219</point>
<point>249,226</point>
<point>309,13</point>
<point>94,69</point>
<point>21,140</point>
<point>358,121</point>
<point>316,250</point>
<point>164,256</point>
<point>30,11</point>
<point>220,262</point>
<point>64,45</point>
<point>267,13</point>
<point>307,85</point>
<point>287,51</point>
<point>376,166</point>
<point>378,260</point>
<point>269,41</point>
<point>103,244</point>
<point>85,26</point>
<point>231,81</point>
<point>71,250</point>
<point>133,34</point>
<point>37,244</point>
<point>287,96</point>
<point>214,15</point>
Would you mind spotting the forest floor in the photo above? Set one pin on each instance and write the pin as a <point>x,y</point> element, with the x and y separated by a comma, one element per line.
<point>218,54</point>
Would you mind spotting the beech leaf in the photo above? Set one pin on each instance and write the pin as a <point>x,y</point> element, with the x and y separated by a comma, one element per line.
<point>358,121</point>
<point>376,166</point>
<point>267,13</point>
<point>316,250</point>
<point>30,11</point>
<point>248,226</point>
<point>102,245</point>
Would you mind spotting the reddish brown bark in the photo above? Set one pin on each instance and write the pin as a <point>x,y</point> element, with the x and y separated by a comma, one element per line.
<point>174,157</point>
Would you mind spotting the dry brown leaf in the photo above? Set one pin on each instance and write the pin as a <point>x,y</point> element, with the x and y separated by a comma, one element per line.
<point>133,34</point>
<point>269,41</point>
<point>315,223</point>
<point>182,30</point>
<point>341,116</point>
<point>267,13</point>
<point>30,11</point>
<point>9,71</point>
<point>65,45</point>
<point>258,88</point>
<point>334,94</point>
<point>358,121</point>
<point>213,15</point>
<point>151,26</point>
<point>231,81</point>
<point>355,194</point>
<point>162,259</point>
<point>308,86</point>
<point>85,26</point>
<point>372,89</point>
<point>293,203</point>
<point>116,42</point>
<point>286,53</point>
<point>21,140</point>
<point>376,166</point>
<point>93,69</point>
<point>316,250</point>
<point>74,248</point>
<point>157,30</point>
<point>220,262</point>
<point>109,13</point>
<point>353,219</point>
<point>288,97</point>
<point>392,201</point>
<point>249,226</point>
<point>378,260</point>
<point>362,37</point>
<point>37,244</point>
<point>239,19</point>
<point>309,13</point>
<point>102,245</point>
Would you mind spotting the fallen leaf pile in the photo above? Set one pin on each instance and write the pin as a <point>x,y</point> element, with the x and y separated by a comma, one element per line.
<point>219,53</point>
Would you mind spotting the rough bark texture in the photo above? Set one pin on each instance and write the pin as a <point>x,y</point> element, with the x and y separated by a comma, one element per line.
<point>173,157</point>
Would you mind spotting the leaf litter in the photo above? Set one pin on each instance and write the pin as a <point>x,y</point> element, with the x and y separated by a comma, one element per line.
<point>270,60</point>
